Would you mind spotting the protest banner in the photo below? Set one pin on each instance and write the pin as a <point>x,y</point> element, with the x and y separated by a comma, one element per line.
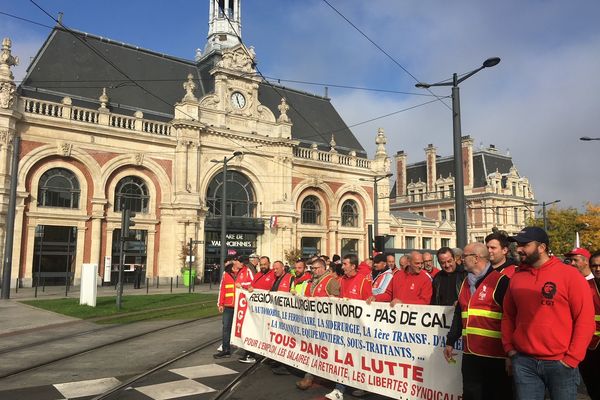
<point>396,352</point>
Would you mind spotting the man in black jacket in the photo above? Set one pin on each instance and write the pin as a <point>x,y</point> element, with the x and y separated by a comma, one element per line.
<point>446,284</point>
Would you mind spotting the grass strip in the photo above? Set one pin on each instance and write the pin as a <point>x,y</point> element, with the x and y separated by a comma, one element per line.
<point>106,307</point>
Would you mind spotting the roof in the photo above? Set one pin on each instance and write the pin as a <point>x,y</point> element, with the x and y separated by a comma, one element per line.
<point>407,215</point>
<point>65,66</point>
<point>485,162</point>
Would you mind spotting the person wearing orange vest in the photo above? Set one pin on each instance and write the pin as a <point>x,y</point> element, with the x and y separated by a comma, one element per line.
<point>323,284</point>
<point>497,245</point>
<point>226,304</point>
<point>478,317</point>
<point>590,365</point>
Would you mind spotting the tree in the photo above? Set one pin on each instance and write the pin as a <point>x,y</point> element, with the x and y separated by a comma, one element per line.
<point>292,255</point>
<point>563,225</point>
<point>589,235</point>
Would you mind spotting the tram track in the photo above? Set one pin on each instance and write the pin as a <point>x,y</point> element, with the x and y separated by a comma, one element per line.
<point>31,368</point>
<point>101,329</point>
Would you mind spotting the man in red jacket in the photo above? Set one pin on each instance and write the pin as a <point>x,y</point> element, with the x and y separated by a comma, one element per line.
<point>548,321</point>
<point>412,286</point>
<point>353,285</point>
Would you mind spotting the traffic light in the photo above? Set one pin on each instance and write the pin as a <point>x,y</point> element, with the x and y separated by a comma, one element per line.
<point>380,244</point>
<point>127,222</point>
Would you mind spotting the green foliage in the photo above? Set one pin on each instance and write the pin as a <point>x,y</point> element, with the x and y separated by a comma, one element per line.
<point>564,223</point>
<point>292,255</point>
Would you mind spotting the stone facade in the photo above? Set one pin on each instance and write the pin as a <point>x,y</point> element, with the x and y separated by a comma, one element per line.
<point>497,196</point>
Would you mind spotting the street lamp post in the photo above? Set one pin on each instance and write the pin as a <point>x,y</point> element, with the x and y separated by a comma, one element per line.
<point>587,138</point>
<point>544,205</point>
<point>459,198</point>
<point>376,202</point>
<point>224,208</point>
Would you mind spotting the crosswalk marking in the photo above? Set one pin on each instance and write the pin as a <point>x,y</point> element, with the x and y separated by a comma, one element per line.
<point>203,371</point>
<point>91,387</point>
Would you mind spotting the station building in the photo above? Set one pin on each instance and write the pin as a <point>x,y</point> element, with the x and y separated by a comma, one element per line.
<point>106,126</point>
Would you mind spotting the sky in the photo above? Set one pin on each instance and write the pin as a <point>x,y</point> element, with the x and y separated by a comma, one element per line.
<point>535,104</point>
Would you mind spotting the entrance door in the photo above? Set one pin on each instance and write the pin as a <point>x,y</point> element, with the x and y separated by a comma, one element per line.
<point>54,254</point>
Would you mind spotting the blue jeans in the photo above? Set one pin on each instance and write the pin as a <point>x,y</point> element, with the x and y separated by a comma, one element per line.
<point>227,323</point>
<point>533,376</point>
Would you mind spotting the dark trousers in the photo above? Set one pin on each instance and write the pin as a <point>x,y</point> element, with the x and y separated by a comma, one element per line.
<point>484,378</point>
<point>589,369</point>
<point>227,323</point>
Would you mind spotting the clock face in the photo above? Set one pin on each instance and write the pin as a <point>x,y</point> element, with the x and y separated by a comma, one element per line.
<point>238,100</point>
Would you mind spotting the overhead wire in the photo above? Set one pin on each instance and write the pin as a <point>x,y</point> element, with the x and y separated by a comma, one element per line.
<point>383,51</point>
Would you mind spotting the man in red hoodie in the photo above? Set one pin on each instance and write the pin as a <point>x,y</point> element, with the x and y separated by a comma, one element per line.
<point>548,321</point>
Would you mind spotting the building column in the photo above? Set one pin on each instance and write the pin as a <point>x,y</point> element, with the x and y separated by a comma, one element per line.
<point>97,216</point>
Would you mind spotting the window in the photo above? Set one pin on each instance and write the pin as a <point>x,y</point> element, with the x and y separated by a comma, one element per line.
<point>132,194</point>
<point>443,215</point>
<point>349,213</point>
<point>311,210</point>
<point>410,242</point>
<point>420,213</point>
<point>525,217</point>
<point>420,194</point>
<point>451,190</point>
<point>58,187</point>
<point>497,215</point>
<point>452,217</point>
<point>479,239</point>
<point>426,243</point>
<point>514,189</point>
<point>240,196</point>
<point>349,246</point>
<point>516,215</point>
<point>445,242</point>
<point>310,246</point>
<point>389,242</point>
<point>443,192</point>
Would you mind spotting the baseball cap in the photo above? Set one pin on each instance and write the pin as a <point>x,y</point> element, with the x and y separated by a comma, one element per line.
<point>578,251</point>
<point>253,255</point>
<point>530,234</point>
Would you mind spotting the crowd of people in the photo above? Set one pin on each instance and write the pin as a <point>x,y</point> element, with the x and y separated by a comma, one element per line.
<point>528,326</point>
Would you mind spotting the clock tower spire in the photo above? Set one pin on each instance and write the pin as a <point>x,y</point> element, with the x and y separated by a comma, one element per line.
<point>224,26</point>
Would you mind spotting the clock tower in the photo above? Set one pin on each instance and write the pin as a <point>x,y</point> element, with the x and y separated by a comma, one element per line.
<point>224,25</point>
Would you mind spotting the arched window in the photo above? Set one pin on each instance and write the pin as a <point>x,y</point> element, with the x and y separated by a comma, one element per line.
<point>241,201</point>
<point>311,210</point>
<point>132,194</point>
<point>58,187</point>
<point>350,213</point>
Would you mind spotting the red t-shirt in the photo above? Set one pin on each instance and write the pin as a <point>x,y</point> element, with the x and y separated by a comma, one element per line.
<point>412,289</point>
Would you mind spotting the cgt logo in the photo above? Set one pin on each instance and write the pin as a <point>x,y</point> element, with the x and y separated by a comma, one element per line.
<point>242,307</point>
<point>548,293</point>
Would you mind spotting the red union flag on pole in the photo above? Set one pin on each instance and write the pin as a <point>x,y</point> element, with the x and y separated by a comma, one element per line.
<point>273,222</point>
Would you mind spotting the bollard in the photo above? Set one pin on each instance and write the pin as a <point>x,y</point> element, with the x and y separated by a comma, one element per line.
<point>171,284</point>
<point>147,285</point>
<point>177,282</point>
<point>17,286</point>
<point>157,278</point>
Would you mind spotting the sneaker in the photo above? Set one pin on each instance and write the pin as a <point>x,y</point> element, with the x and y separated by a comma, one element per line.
<point>335,395</point>
<point>247,359</point>
<point>222,354</point>
<point>220,348</point>
<point>281,370</point>
<point>359,393</point>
